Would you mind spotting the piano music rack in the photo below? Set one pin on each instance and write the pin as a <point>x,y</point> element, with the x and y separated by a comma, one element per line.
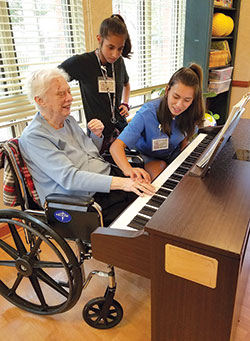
<point>205,161</point>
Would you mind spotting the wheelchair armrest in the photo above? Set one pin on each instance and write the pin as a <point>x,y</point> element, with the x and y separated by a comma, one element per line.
<point>133,157</point>
<point>58,198</point>
<point>131,151</point>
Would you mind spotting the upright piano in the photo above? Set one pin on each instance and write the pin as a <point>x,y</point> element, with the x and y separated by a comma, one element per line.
<point>191,239</point>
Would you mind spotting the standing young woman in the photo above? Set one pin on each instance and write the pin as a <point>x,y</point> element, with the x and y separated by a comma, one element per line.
<point>103,78</point>
<point>161,129</point>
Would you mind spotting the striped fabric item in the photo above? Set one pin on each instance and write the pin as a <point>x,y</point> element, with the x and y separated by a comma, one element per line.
<point>10,197</point>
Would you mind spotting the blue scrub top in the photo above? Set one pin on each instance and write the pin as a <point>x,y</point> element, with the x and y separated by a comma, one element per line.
<point>144,128</point>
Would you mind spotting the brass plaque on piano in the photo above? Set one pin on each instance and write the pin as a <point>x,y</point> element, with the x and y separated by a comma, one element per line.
<point>191,265</point>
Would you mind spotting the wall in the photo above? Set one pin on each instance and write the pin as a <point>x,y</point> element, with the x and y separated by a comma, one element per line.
<point>241,76</point>
<point>94,13</point>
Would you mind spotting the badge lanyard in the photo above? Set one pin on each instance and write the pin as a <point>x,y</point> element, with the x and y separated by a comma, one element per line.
<point>105,77</point>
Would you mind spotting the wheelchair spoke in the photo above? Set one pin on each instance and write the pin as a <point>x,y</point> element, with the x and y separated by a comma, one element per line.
<point>42,275</point>
<point>7,263</point>
<point>8,249</point>
<point>110,316</point>
<point>45,264</point>
<point>105,320</point>
<point>35,248</point>
<point>94,312</point>
<point>38,290</point>
<point>15,285</point>
<point>101,319</point>
<point>17,239</point>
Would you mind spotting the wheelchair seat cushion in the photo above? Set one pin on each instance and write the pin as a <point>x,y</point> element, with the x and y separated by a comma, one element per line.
<point>10,197</point>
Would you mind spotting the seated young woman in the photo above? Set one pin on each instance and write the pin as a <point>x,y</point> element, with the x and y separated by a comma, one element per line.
<point>161,129</point>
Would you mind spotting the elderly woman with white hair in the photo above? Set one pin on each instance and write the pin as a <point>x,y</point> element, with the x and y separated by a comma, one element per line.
<point>63,159</point>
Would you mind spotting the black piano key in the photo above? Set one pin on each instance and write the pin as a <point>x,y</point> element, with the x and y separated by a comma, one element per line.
<point>149,211</point>
<point>176,177</point>
<point>135,225</point>
<point>195,157</point>
<point>156,201</point>
<point>183,166</point>
<point>181,170</point>
<point>209,138</point>
<point>138,222</point>
<point>141,219</point>
<point>206,140</point>
<point>190,159</point>
<point>199,150</point>
<point>170,184</point>
<point>204,145</point>
<point>195,154</point>
<point>163,191</point>
<point>186,164</point>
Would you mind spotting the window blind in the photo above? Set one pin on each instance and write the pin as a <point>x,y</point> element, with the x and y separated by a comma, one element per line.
<point>156,29</point>
<point>34,33</point>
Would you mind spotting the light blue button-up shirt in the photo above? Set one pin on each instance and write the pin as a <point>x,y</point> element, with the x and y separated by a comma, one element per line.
<point>145,127</point>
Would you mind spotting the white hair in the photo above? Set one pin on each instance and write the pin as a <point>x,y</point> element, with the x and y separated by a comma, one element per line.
<point>38,82</point>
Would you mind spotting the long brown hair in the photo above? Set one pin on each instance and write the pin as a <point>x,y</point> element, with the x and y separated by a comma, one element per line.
<point>193,115</point>
<point>116,25</point>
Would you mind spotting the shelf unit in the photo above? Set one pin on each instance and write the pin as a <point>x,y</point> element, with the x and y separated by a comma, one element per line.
<point>198,39</point>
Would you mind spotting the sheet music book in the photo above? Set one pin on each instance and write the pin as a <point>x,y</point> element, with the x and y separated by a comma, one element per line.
<point>235,113</point>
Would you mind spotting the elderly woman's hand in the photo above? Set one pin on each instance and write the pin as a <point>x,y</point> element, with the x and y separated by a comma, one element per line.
<point>96,127</point>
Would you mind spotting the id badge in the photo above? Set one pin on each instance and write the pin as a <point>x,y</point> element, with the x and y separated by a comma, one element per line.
<point>106,85</point>
<point>160,144</point>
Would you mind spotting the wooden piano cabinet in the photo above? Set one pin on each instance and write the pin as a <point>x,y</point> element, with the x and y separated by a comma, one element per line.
<point>242,283</point>
<point>209,217</point>
<point>127,250</point>
<point>183,310</point>
<point>205,219</point>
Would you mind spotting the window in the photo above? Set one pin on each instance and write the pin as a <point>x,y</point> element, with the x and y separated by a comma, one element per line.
<point>33,33</point>
<point>156,29</point>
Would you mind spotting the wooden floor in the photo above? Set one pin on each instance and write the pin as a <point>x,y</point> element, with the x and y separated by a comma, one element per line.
<point>133,292</point>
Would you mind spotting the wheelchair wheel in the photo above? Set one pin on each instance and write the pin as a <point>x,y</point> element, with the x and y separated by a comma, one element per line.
<point>41,277</point>
<point>101,317</point>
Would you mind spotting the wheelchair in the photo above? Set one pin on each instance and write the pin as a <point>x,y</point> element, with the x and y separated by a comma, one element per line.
<point>36,252</point>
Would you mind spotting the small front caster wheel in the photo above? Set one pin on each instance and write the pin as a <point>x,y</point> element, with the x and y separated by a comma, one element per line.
<point>98,316</point>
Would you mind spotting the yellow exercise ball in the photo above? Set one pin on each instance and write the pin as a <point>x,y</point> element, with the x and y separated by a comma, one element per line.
<point>230,26</point>
<point>219,25</point>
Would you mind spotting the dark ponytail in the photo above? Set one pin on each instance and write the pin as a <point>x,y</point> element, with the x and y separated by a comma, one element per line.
<point>194,114</point>
<point>116,25</point>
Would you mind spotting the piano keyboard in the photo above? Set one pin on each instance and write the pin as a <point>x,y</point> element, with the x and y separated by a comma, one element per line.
<point>142,209</point>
